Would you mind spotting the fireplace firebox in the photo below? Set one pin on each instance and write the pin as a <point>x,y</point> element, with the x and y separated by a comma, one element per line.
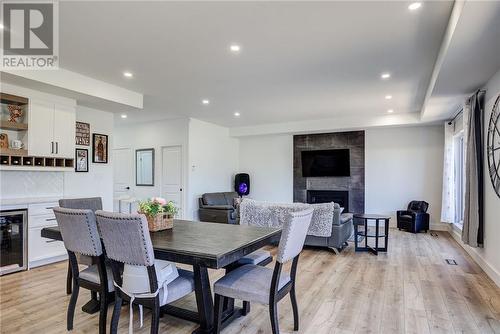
<point>325,196</point>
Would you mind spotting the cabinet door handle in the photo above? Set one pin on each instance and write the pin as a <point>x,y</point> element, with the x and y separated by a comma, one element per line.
<point>50,219</point>
<point>50,241</point>
<point>57,147</point>
<point>52,147</point>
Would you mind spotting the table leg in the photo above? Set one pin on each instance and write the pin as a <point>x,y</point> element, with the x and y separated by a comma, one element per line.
<point>386,234</point>
<point>366,233</point>
<point>204,300</point>
<point>355,237</point>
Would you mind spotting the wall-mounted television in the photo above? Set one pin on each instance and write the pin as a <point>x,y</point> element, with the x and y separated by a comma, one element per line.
<point>326,163</point>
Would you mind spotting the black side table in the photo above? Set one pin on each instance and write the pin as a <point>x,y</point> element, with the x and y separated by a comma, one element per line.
<point>366,234</point>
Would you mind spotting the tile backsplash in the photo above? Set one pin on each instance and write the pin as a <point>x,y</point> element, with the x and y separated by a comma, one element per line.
<point>21,184</point>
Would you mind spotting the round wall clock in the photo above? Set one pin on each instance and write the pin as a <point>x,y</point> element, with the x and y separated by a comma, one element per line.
<point>494,146</point>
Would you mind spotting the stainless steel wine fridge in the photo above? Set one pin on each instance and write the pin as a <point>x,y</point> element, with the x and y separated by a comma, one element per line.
<point>13,241</point>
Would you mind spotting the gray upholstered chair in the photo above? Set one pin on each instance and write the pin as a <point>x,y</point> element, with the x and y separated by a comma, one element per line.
<point>128,243</point>
<point>80,236</point>
<point>91,203</point>
<point>263,285</point>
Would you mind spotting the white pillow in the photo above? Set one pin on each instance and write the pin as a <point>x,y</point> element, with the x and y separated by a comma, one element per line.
<point>136,279</point>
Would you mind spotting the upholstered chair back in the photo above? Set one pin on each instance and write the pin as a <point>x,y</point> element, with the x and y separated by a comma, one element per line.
<point>79,231</point>
<point>126,237</point>
<point>91,203</point>
<point>293,234</point>
<point>418,206</point>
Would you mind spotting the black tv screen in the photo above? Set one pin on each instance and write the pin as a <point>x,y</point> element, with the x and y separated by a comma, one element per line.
<point>326,163</point>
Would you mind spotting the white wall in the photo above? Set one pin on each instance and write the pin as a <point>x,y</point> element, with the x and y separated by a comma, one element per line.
<point>269,161</point>
<point>489,256</point>
<point>213,161</point>
<point>152,135</point>
<point>404,164</point>
<point>401,164</point>
<point>99,180</point>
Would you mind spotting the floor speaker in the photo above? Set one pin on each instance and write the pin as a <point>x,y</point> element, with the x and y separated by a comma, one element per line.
<point>242,184</point>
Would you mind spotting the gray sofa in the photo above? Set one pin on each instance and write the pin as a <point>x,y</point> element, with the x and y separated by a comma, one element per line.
<point>218,208</point>
<point>329,227</point>
<point>342,228</point>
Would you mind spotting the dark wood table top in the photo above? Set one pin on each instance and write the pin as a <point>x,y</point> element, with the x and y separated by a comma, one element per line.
<point>370,216</point>
<point>211,245</point>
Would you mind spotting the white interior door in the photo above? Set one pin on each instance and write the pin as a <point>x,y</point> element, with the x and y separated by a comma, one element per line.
<point>123,168</point>
<point>171,177</point>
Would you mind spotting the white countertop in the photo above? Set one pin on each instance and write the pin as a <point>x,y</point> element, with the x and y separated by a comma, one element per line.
<point>20,203</point>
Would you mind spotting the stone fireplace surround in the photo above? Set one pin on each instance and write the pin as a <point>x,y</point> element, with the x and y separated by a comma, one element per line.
<point>354,184</point>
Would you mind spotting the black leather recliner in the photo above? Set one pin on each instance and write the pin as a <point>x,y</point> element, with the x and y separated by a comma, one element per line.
<point>218,208</point>
<point>415,218</point>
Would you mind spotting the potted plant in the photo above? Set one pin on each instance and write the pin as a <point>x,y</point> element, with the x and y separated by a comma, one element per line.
<point>159,213</point>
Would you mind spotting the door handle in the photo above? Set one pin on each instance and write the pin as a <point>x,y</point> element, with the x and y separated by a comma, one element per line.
<point>127,188</point>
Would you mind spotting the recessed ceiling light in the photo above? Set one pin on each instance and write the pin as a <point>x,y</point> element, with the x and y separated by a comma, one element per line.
<point>237,114</point>
<point>385,75</point>
<point>235,48</point>
<point>388,97</point>
<point>390,111</point>
<point>205,101</point>
<point>128,74</point>
<point>123,116</point>
<point>415,6</point>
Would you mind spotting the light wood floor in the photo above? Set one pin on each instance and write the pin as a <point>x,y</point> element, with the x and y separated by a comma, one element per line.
<point>408,290</point>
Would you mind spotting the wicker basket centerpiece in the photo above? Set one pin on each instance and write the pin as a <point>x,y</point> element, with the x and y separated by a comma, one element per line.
<point>159,213</point>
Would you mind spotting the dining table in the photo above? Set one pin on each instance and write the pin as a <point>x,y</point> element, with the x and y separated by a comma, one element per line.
<point>202,245</point>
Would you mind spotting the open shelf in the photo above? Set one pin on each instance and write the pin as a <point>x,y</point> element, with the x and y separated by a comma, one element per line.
<point>13,99</point>
<point>31,163</point>
<point>6,125</point>
<point>9,151</point>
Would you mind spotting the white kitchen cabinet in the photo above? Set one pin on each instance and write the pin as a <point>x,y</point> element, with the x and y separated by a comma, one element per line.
<point>41,128</point>
<point>51,129</point>
<point>41,250</point>
<point>64,131</point>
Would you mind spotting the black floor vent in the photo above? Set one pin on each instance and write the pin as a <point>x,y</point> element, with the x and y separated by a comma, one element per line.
<point>434,234</point>
<point>451,262</point>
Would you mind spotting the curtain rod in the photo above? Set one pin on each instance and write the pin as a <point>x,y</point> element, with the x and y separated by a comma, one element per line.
<point>461,109</point>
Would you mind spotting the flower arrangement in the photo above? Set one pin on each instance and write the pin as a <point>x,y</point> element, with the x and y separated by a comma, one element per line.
<point>159,213</point>
<point>156,205</point>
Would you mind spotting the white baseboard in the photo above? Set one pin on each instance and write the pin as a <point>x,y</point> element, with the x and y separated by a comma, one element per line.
<point>43,262</point>
<point>440,227</point>
<point>488,269</point>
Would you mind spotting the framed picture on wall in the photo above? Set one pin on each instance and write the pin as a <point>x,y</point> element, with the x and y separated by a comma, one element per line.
<point>100,148</point>
<point>82,134</point>
<point>82,160</point>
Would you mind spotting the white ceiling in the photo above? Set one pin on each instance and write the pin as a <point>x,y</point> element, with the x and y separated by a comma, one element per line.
<point>472,58</point>
<point>299,60</point>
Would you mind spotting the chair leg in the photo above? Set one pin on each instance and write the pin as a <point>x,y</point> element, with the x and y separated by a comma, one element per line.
<point>103,312</point>
<point>72,305</point>
<point>155,317</point>
<point>69,280</point>
<point>295,309</point>
<point>116,314</point>
<point>246,308</point>
<point>219,303</point>
<point>273,313</point>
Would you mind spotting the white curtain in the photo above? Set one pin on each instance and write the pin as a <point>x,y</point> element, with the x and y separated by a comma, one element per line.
<point>448,197</point>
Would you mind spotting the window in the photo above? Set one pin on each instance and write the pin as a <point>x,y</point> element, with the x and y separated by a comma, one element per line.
<point>459,178</point>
